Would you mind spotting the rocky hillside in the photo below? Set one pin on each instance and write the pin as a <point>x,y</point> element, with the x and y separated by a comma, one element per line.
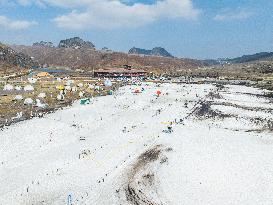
<point>255,57</point>
<point>11,58</point>
<point>76,43</point>
<point>88,59</point>
<point>43,44</point>
<point>157,51</point>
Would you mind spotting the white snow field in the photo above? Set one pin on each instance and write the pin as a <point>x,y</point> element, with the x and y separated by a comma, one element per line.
<point>114,151</point>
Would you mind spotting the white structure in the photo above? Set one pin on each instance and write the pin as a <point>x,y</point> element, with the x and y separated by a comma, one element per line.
<point>32,80</point>
<point>91,86</point>
<point>8,87</point>
<point>42,95</point>
<point>81,94</point>
<point>69,82</point>
<point>68,88</point>
<point>108,83</point>
<point>74,89</point>
<point>40,104</point>
<point>18,87</point>
<point>18,97</point>
<point>60,97</point>
<point>28,101</point>
<point>28,88</point>
<point>80,85</point>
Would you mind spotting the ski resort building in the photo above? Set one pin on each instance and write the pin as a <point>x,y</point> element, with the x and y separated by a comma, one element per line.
<point>119,72</point>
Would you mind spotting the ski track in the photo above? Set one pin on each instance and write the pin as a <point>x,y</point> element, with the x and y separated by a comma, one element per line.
<point>223,157</point>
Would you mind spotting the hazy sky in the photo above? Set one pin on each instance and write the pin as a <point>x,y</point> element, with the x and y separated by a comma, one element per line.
<point>186,28</point>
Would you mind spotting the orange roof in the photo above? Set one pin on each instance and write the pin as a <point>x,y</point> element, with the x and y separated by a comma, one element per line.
<point>43,74</point>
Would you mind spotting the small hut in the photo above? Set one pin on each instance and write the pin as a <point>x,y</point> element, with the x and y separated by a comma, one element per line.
<point>43,75</point>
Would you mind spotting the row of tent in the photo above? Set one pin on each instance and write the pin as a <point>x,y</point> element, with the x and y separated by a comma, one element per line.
<point>9,87</point>
<point>29,101</point>
<point>67,86</point>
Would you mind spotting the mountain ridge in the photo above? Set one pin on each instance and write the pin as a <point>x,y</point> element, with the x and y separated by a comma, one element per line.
<point>89,59</point>
<point>156,51</point>
<point>252,57</point>
<point>76,43</point>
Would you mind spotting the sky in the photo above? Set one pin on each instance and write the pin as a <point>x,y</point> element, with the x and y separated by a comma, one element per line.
<point>202,29</point>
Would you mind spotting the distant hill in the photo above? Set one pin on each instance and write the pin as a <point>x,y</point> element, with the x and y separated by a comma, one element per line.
<point>157,51</point>
<point>76,43</point>
<point>88,59</point>
<point>263,56</point>
<point>254,57</point>
<point>211,62</point>
<point>43,44</point>
<point>11,58</point>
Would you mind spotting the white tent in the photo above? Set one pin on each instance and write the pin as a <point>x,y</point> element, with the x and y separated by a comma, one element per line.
<point>60,97</point>
<point>108,83</point>
<point>80,85</point>
<point>28,88</point>
<point>8,87</point>
<point>18,87</point>
<point>28,101</point>
<point>69,82</point>
<point>18,97</point>
<point>81,94</point>
<point>42,95</point>
<point>40,104</point>
<point>32,80</point>
<point>91,86</point>
<point>68,88</point>
<point>74,89</point>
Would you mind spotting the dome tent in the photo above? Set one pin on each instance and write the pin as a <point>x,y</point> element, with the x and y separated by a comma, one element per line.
<point>8,87</point>
<point>28,88</point>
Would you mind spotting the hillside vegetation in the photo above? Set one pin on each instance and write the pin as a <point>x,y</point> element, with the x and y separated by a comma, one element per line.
<point>10,58</point>
<point>88,59</point>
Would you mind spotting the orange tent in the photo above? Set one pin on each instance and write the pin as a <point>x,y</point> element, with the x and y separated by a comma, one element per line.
<point>158,92</point>
<point>43,74</point>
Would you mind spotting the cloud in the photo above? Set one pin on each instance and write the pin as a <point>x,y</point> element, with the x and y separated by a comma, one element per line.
<point>6,3</point>
<point>108,14</point>
<point>230,15</point>
<point>15,24</point>
<point>39,3</point>
<point>24,2</point>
